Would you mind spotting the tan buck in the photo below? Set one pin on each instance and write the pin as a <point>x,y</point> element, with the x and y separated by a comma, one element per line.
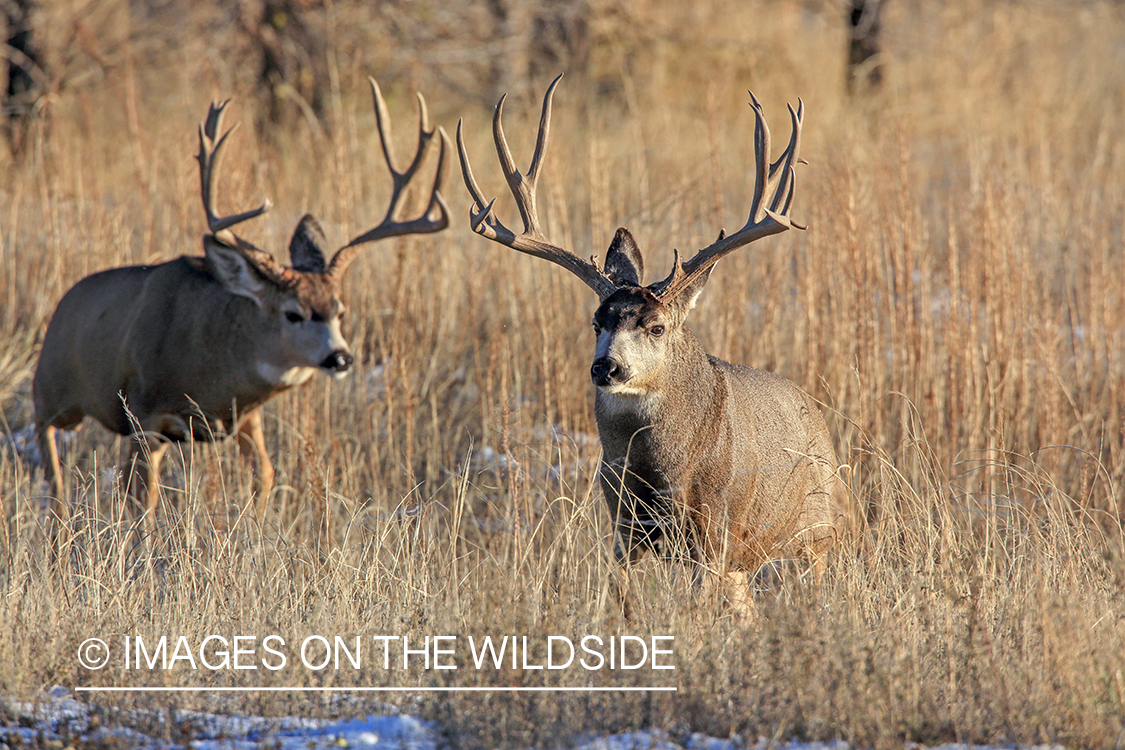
<point>726,466</point>
<point>191,349</point>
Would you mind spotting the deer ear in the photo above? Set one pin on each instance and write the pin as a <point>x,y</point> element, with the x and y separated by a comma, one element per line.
<point>234,270</point>
<point>685,300</point>
<point>623,263</point>
<point>306,251</point>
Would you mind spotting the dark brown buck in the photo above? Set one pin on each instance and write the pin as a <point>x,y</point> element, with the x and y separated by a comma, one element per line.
<point>727,466</point>
<point>191,349</point>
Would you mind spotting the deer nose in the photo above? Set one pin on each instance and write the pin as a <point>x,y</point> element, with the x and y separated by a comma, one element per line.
<point>607,371</point>
<point>338,361</point>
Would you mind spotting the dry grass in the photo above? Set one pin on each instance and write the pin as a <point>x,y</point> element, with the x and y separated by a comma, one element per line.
<point>956,304</point>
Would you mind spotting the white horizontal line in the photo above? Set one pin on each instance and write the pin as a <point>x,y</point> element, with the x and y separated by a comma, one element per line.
<point>375,689</point>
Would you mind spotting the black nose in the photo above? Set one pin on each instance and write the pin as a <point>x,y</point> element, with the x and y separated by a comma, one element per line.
<point>340,361</point>
<point>607,371</point>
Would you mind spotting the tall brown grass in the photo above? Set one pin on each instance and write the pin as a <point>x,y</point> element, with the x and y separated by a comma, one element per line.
<point>955,304</point>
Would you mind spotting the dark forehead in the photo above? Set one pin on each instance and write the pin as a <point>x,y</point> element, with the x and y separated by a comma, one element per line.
<point>319,291</point>
<point>627,303</point>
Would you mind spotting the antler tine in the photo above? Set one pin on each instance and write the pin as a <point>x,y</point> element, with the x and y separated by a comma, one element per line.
<point>425,133</point>
<point>542,134</point>
<point>521,187</point>
<point>796,117</point>
<point>476,218</point>
<point>774,187</point>
<point>383,124</point>
<point>209,153</point>
<point>436,216</point>
<point>383,121</point>
<point>531,241</point>
<point>761,159</point>
<point>783,170</point>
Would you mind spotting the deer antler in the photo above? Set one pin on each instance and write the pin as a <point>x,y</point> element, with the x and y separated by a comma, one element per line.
<point>769,211</point>
<point>531,241</point>
<point>208,164</point>
<point>436,216</point>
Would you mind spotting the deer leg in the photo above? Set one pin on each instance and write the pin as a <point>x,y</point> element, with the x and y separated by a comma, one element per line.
<point>738,592</point>
<point>144,476</point>
<point>817,554</point>
<point>251,438</point>
<point>726,585</point>
<point>152,480</point>
<point>620,583</point>
<point>714,577</point>
<point>814,544</point>
<point>706,584</point>
<point>49,452</point>
<point>628,550</point>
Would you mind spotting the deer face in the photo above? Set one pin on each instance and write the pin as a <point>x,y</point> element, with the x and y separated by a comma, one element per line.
<point>301,332</point>
<point>300,307</point>
<point>309,327</point>
<point>634,331</point>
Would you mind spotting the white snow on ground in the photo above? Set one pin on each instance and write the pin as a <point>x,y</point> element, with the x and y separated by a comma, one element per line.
<point>59,716</point>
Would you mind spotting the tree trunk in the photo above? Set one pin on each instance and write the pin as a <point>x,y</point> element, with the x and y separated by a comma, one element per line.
<point>27,80</point>
<point>865,72</point>
<point>292,66</point>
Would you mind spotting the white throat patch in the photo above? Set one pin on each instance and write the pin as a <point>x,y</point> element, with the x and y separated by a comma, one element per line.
<point>625,400</point>
<point>289,377</point>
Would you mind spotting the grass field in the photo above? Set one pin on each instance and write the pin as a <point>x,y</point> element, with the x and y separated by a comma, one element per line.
<point>956,304</point>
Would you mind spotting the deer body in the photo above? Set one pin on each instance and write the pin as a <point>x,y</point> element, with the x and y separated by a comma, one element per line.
<point>162,335</point>
<point>708,461</point>
<point>727,466</point>
<point>190,349</point>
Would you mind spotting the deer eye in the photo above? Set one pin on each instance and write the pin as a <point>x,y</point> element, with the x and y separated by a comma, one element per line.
<point>294,317</point>
<point>656,331</point>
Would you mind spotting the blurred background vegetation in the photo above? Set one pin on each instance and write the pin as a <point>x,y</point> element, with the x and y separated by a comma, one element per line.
<point>955,304</point>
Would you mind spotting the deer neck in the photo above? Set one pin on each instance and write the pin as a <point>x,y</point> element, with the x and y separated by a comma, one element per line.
<point>679,401</point>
